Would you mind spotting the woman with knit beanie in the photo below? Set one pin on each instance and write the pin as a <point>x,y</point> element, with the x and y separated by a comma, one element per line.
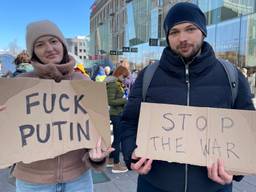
<point>69,172</point>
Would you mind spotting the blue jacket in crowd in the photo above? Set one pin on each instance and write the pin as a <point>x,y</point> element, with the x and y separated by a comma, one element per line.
<point>205,85</point>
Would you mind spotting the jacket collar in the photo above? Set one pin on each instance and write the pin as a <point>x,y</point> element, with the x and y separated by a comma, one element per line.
<point>172,62</point>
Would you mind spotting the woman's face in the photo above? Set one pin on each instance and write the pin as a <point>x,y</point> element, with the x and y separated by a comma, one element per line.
<point>49,49</point>
<point>122,78</point>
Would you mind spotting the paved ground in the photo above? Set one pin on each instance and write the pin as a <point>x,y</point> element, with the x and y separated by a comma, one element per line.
<point>122,182</point>
<point>126,182</point>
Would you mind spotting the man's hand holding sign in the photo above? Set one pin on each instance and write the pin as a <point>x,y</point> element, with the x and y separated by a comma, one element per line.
<point>217,173</point>
<point>141,165</point>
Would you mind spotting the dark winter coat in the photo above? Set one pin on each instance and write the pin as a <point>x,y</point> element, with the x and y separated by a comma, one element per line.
<point>205,85</point>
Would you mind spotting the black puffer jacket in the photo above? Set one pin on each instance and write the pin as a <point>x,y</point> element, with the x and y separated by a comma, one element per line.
<point>209,87</point>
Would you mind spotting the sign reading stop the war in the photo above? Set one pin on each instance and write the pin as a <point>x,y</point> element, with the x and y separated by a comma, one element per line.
<point>198,136</point>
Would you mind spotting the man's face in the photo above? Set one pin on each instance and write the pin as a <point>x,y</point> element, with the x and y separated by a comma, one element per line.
<point>185,40</point>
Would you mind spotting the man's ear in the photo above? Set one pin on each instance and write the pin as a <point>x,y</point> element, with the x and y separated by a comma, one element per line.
<point>203,35</point>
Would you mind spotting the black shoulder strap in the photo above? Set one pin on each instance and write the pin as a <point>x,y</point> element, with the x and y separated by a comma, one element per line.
<point>147,77</point>
<point>232,74</point>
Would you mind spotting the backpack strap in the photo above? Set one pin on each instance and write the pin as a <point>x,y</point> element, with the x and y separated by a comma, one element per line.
<point>147,77</point>
<point>232,74</point>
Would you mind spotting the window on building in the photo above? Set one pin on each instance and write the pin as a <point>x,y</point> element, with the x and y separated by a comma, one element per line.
<point>222,10</point>
<point>160,3</point>
<point>76,52</point>
<point>250,49</point>
<point>116,5</point>
<point>227,46</point>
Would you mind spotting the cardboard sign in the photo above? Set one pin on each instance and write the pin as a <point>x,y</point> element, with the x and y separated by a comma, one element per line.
<point>44,119</point>
<point>198,136</point>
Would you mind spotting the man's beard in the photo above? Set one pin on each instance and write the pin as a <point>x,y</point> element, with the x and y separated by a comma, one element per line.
<point>195,50</point>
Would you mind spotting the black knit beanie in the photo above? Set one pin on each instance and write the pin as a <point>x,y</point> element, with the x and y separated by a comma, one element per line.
<point>185,13</point>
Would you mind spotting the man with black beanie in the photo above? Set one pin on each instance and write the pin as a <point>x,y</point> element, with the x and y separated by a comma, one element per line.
<point>188,74</point>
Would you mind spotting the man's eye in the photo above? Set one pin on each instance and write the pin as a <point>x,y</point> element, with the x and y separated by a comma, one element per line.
<point>191,29</point>
<point>173,32</point>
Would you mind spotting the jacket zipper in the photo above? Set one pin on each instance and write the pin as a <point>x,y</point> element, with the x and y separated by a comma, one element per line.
<point>188,103</point>
<point>187,82</point>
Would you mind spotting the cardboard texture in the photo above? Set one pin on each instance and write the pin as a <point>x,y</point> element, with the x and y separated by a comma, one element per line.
<point>44,119</point>
<point>198,136</point>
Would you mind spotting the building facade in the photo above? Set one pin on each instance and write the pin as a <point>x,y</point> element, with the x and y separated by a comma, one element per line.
<point>107,27</point>
<point>133,29</point>
<point>79,46</point>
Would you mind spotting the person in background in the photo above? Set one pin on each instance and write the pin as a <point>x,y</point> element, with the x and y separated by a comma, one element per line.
<point>134,75</point>
<point>244,71</point>
<point>125,63</point>
<point>68,172</point>
<point>100,77</point>
<point>22,62</point>
<point>80,68</point>
<point>188,74</point>
<point>116,101</point>
<point>6,74</point>
<point>128,82</point>
<point>107,70</point>
<point>251,76</point>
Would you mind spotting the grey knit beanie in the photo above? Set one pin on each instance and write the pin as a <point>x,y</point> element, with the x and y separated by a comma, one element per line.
<point>41,28</point>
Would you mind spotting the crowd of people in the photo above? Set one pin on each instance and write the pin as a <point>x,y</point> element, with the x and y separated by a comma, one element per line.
<point>188,74</point>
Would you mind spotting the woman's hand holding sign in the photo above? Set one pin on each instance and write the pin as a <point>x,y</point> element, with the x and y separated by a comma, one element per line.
<point>97,154</point>
<point>217,173</point>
